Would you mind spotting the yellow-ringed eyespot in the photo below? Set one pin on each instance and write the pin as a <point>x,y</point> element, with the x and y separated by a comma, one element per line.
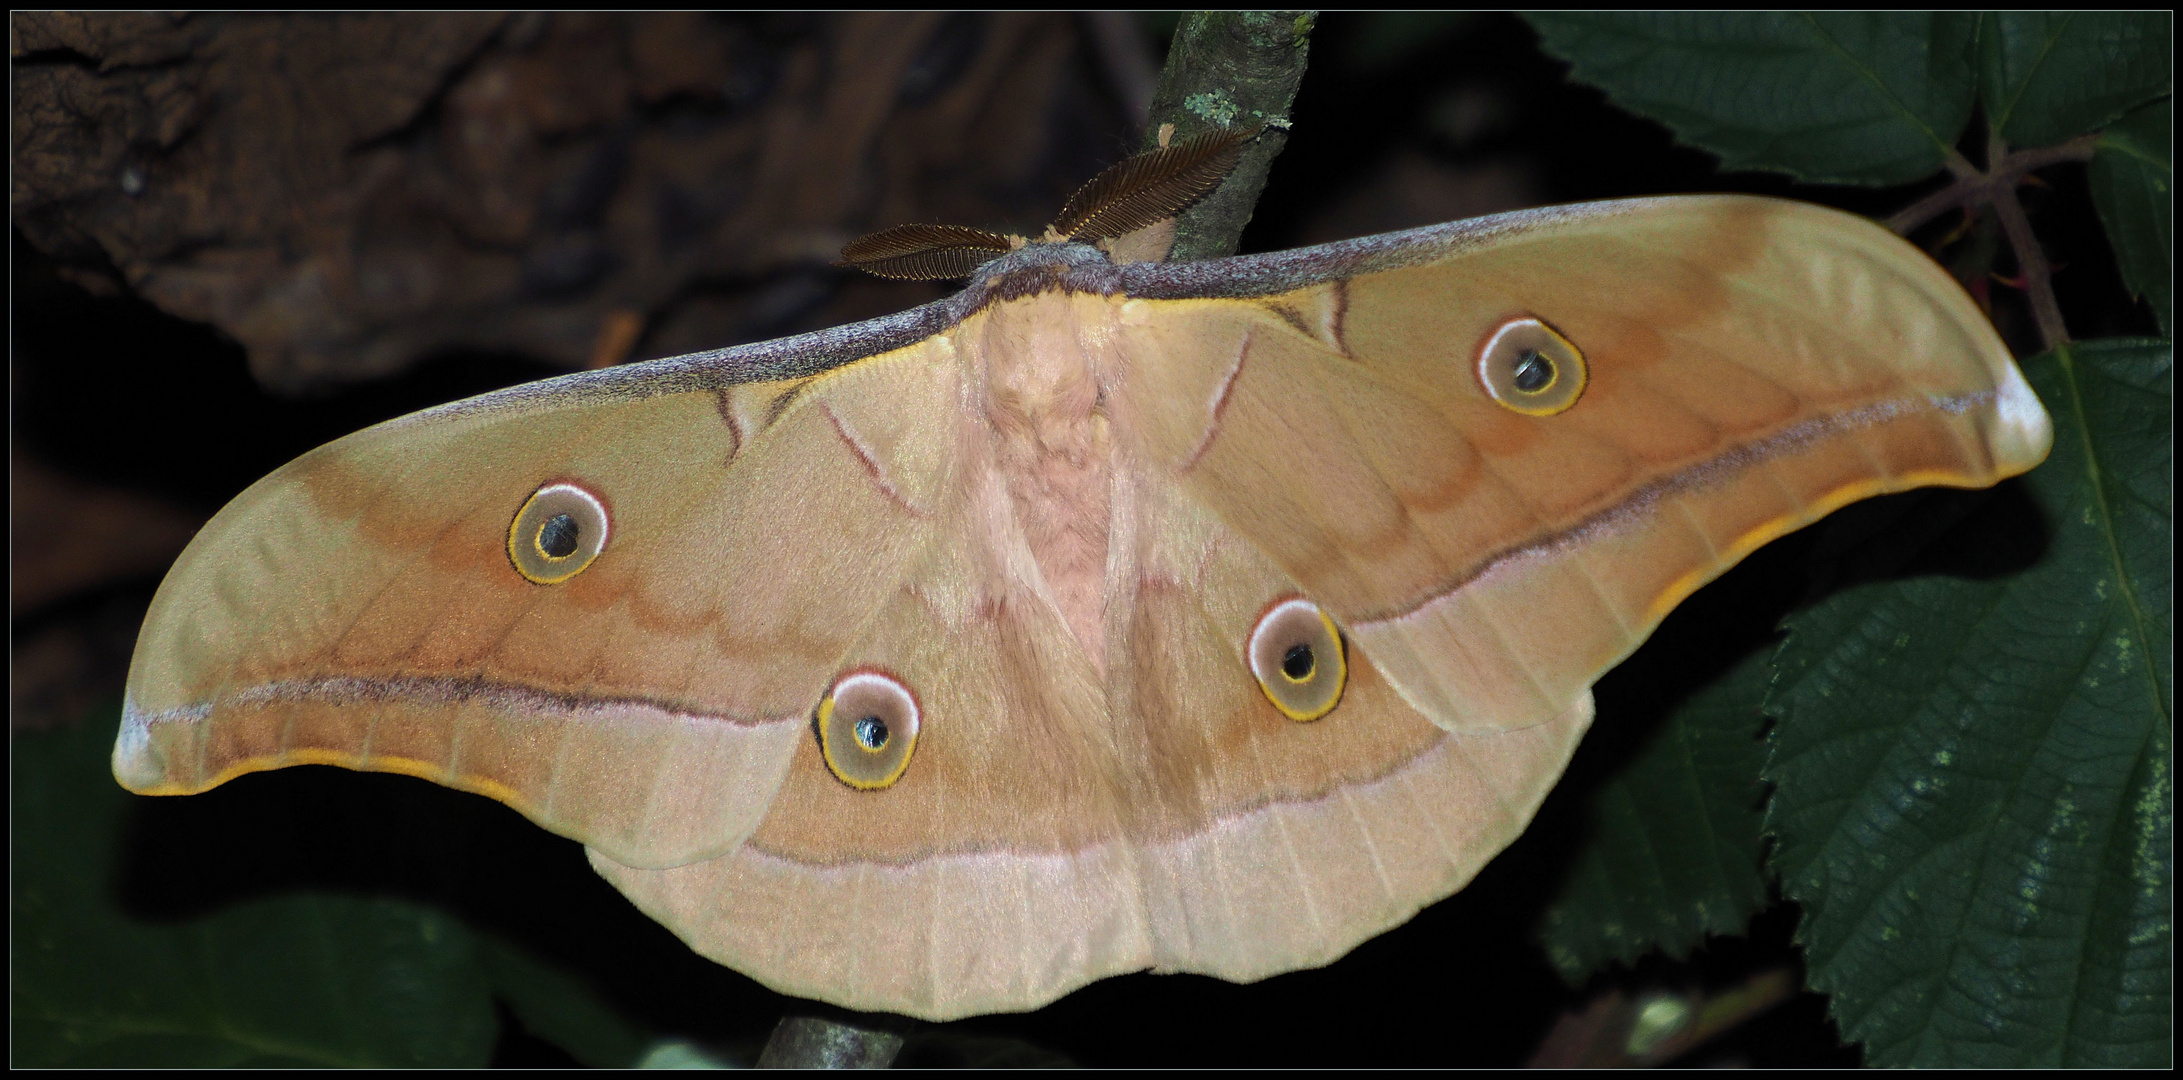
<point>867,728</point>
<point>1296,655</point>
<point>1531,368</point>
<point>557,533</point>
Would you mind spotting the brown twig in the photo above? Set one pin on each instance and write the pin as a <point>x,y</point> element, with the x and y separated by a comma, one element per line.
<point>1959,166</point>
<point>1619,1030</point>
<point>2031,265</point>
<point>1975,188</point>
<point>1996,187</point>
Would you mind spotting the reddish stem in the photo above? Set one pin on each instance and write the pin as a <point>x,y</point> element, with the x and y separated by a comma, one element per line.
<point>1996,187</point>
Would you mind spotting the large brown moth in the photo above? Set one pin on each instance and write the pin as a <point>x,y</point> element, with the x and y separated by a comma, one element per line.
<point>1106,615</point>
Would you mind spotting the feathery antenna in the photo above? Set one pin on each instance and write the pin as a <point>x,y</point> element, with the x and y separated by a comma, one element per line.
<point>1140,191</point>
<point>924,252</point>
<point>1154,185</point>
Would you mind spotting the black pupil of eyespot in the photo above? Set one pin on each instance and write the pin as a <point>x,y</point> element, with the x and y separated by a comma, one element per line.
<point>557,537</point>
<point>1298,662</point>
<point>1533,371</point>
<point>872,732</point>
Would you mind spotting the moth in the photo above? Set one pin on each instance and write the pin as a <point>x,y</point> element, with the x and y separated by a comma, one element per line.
<point>1106,615</point>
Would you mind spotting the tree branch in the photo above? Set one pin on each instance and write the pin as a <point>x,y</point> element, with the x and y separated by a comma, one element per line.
<point>821,1037</point>
<point>1227,70</point>
<point>1979,188</point>
<point>2031,266</point>
<point>1996,187</point>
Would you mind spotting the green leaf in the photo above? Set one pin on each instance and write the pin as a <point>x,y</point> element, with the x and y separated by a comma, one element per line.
<point>1974,801</point>
<point>2133,184</point>
<point>295,981</point>
<point>560,1008</point>
<point>301,979</point>
<point>2048,76</point>
<point>1673,852</point>
<point>681,1054</point>
<point>1840,97</point>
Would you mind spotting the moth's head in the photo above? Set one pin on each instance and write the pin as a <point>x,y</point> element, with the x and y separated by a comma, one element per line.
<point>1038,267</point>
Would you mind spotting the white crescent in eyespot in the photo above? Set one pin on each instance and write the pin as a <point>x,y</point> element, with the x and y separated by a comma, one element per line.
<point>1296,655</point>
<point>557,533</point>
<point>867,726</point>
<point>1529,367</point>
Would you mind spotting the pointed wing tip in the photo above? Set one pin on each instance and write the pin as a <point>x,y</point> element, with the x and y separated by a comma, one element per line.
<point>2025,433</point>
<point>135,765</point>
<point>2022,433</point>
<point>138,764</point>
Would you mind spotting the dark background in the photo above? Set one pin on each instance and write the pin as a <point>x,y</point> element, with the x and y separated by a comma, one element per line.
<point>695,201</point>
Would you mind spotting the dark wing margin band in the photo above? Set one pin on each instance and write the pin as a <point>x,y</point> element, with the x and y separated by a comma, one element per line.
<point>1285,271</point>
<point>764,361</point>
<point>1034,268</point>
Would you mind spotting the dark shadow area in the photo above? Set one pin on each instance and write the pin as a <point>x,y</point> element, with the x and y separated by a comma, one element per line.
<point>328,829</point>
<point>111,389</point>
